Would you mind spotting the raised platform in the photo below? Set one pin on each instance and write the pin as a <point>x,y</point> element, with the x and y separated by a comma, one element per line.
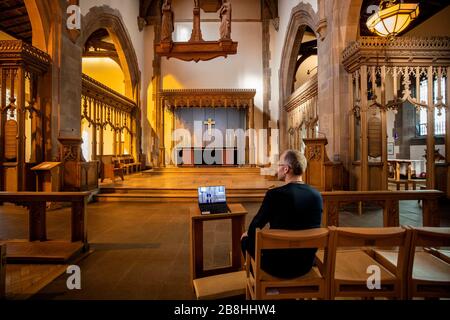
<point>180,185</point>
<point>205,170</point>
<point>42,252</point>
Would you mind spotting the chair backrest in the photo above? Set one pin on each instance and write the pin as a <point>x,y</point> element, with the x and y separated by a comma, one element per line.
<point>430,237</point>
<point>290,239</point>
<point>372,237</point>
<point>427,237</point>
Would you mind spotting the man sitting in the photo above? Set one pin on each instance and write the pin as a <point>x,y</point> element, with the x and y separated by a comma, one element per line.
<point>294,206</point>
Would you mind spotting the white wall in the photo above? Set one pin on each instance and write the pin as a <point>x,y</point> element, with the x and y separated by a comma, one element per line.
<point>129,10</point>
<point>240,71</point>
<point>277,39</point>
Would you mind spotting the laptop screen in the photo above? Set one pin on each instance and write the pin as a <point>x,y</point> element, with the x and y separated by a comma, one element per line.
<point>211,194</point>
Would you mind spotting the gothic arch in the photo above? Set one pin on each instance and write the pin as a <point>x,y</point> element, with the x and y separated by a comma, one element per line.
<point>302,16</point>
<point>350,13</point>
<point>111,20</point>
<point>41,13</point>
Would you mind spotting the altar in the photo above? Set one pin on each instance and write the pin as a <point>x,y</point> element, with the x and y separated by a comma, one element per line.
<point>190,157</point>
<point>206,127</point>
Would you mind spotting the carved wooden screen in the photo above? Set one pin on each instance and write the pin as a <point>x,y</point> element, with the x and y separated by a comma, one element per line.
<point>388,79</point>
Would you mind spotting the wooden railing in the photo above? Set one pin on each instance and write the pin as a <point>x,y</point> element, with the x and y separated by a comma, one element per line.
<point>103,107</point>
<point>388,200</point>
<point>37,208</point>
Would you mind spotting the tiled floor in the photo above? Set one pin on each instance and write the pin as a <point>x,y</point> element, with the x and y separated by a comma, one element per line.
<point>141,250</point>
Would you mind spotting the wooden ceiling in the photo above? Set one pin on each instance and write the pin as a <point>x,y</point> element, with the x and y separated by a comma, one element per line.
<point>428,8</point>
<point>14,19</point>
<point>99,45</point>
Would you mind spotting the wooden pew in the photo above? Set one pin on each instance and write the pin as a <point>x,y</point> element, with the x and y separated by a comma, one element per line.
<point>36,202</point>
<point>110,168</point>
<point>128,162</point>
<point>408,184</point>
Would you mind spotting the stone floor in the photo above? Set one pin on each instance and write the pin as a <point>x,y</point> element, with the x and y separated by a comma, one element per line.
<point>141,250</point>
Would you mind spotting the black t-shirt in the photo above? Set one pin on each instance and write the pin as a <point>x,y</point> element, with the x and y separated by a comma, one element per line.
<point>294,206</point>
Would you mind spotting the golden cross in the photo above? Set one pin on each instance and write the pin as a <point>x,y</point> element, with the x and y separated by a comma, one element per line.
<point>209,123</point>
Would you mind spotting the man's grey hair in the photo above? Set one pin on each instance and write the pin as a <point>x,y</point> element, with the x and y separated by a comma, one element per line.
<point>296,161</point>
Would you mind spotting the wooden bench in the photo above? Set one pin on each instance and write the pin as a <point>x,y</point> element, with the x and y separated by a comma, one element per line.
<point>38,248</point>
<point>220,286</point>
<point>399,183</point>
<point>110,168</point>
<point>127,162</point>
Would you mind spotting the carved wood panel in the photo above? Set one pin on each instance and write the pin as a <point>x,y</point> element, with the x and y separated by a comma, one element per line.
<point>11,139</point>
<point>374,136</point>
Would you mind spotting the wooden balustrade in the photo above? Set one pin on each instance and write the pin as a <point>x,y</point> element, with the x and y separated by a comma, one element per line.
<point>103,107</point>
<point>388,200</point>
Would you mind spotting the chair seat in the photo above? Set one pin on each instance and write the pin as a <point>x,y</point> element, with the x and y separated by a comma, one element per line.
<point>351,266</point>
<point>313,274</point>
<point>220,286</point>
<point>426,267</point>
<point>429,268</point>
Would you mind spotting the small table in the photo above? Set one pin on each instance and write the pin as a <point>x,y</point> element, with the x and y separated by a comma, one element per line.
<point>237,216</point>
<point>396,163</point>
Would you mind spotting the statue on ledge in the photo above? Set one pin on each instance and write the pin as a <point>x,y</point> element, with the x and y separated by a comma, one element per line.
<point>225,18</point>
<point>167,25</point>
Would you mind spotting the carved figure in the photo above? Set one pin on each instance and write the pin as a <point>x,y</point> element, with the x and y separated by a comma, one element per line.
<point>225,18</point>
<point>167,25</point>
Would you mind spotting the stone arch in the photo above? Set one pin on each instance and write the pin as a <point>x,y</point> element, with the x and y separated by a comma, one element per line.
<point>41,13</point>
<point>111,20</point>
<point>350,13</point>
<point>302,16</point>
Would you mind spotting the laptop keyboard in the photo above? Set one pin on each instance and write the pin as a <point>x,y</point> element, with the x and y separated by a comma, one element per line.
<point>214,208</point>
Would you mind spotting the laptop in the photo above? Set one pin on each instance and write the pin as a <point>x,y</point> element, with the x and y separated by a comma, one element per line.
<point>212,200</point>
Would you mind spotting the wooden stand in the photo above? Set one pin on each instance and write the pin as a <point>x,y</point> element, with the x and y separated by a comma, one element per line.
<point>323,174</point>
<point>237,216</point>
<point>219,282</point>
<point>47,176</point>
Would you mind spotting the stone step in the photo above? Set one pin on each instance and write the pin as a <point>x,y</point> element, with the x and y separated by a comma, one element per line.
<point>204,170</point>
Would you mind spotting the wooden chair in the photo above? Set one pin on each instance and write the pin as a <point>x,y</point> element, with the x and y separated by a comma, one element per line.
<point>2,271</point>
<point>261,285</point>
<point>429,270</point>
<point>350,260</point>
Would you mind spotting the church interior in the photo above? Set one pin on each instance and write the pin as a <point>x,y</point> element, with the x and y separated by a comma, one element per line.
<point>116,116</point>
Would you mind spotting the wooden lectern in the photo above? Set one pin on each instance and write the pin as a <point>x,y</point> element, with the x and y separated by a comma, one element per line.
<point>321,173</point>
<point>47,176</point>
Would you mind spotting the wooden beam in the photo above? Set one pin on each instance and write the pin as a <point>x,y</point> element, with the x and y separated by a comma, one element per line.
<point>98,44</point>
<point>15,18</point>
<point>14,8</point>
